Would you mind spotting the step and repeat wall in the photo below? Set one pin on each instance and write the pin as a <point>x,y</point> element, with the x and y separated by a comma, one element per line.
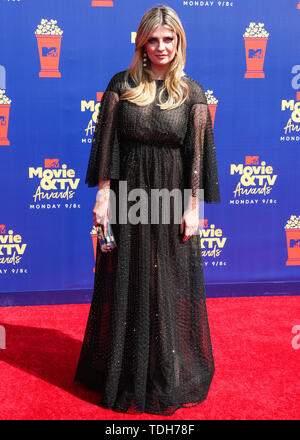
<point>56,59</point>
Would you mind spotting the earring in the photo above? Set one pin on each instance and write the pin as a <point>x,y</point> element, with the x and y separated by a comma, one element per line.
<point>145,59</point>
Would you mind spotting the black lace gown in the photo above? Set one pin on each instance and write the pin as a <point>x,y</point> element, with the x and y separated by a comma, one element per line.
<point>147,345</point>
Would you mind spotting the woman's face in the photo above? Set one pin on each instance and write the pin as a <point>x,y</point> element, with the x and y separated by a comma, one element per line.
<point>161,46</point>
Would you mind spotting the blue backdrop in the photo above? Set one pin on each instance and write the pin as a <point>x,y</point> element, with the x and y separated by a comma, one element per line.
<point>245,53</point>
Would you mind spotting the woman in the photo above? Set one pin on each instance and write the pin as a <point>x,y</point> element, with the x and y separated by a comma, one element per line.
<point>147,344</point>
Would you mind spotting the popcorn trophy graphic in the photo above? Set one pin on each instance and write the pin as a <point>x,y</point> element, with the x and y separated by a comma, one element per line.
<point>292,230</point>
<point>102,3</point>
<point>212,105</point>
<point>255,47</point>
<point>49,37</point>
<point>4,117</point>
<point>94,236</point>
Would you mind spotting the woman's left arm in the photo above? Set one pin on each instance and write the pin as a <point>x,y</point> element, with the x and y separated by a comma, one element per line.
<point>200,160</point>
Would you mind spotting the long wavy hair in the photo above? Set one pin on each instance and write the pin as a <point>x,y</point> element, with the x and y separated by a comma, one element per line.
<point>144,91</point>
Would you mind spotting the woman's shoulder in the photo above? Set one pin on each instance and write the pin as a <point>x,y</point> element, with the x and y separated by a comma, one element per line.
<point>197,94</point>
<point>116,81</point>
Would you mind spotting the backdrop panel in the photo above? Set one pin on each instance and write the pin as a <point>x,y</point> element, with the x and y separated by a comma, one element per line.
<point>56,59</point>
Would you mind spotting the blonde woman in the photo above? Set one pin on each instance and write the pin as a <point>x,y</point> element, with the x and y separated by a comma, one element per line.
<point>147,345</point>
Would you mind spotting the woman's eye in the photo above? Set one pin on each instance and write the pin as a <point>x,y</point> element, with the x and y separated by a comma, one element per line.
<point>152,40</point>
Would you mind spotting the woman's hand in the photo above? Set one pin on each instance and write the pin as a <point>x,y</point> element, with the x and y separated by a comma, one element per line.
<point>190,219</point>
<point>101,211</point>
<point>100,215</point>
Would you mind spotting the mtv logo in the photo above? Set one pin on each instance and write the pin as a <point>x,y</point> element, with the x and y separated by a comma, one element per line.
<point>49,52</point>
<point>99,96</point>
<point>295,243</point>
<point>2,120</point>
<point>255,53</point>
<point>51,163</point>
<point>2,229</point>
<point>203,223</point>
<point>251,160</point>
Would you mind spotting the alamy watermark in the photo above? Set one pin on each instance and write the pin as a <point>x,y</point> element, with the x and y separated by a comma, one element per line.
<point>163,204</point>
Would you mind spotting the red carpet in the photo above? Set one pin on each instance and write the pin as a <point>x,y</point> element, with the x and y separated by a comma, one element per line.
<point>257,368</point>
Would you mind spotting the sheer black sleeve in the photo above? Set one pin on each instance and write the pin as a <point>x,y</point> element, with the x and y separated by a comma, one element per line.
<point>104,160</point>
<point>200,152</point>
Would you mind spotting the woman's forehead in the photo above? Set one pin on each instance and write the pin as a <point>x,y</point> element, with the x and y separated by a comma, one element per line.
<point>162,29</point>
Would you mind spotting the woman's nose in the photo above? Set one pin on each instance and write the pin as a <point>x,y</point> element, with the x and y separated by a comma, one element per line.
<point>161,45</point>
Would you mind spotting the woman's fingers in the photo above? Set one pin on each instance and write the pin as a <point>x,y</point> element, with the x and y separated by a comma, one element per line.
<point>182,226</point>
<point>105,226</point>
<point>100,215</point>
<point>189,224</point>
<point>189,232</point>
<point>105,248</point>
<point>101,220</point>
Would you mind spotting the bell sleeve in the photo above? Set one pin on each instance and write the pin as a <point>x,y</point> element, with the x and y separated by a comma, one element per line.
<point>104,160</point>
<point>200,153</point>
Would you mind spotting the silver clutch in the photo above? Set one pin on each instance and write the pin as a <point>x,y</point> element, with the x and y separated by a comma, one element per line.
<point>107,242</point>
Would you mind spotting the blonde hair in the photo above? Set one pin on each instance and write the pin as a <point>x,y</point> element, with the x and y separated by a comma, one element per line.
<point>144,92</point>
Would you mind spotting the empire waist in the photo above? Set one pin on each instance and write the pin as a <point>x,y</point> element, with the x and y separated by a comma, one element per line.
<point>133,144</point>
